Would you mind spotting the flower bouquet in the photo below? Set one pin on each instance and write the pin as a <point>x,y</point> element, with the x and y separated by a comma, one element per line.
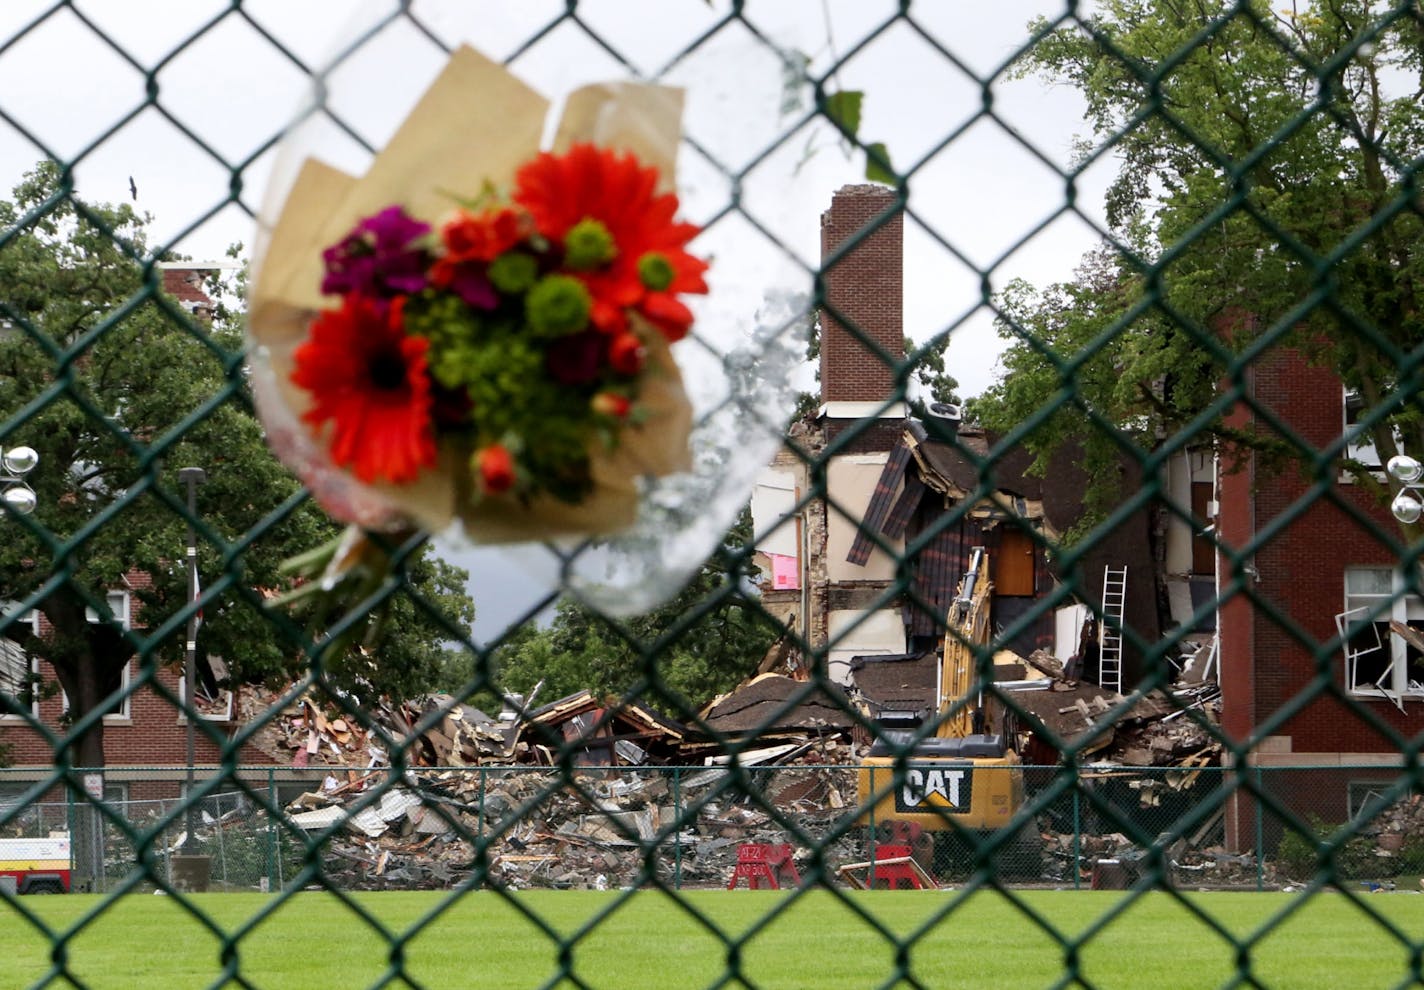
<point>476,330</point>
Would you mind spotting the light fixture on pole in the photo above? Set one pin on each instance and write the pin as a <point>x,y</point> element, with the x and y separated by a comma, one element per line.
<point>17,462</point>
<point>1407,506</point>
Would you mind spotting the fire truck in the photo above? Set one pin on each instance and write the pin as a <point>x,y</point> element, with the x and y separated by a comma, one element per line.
<point>39,866</point>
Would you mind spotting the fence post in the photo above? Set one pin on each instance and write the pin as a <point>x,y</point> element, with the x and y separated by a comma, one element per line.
<point>874,800</point>
<point>1077,833</point>
<point>1260,837</point>
<point>271,856</point>
<point>677,832</point>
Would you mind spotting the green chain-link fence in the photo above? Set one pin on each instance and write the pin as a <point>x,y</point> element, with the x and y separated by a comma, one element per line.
<point>1209,401</point>
<point>1098,834</point>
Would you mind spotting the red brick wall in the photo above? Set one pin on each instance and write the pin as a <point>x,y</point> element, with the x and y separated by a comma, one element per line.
<point>866,286</point>
<point>186,285</point>
<point>152,736</point>
<point>1266,661</point>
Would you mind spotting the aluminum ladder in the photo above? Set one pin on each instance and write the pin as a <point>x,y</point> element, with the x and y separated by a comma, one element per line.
<point>1110,629</point>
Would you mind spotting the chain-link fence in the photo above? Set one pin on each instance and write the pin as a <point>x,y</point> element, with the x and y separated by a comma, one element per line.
<point>1133,604</point>
<point>685,828</point>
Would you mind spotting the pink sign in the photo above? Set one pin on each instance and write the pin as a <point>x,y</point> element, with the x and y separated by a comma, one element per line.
<point>785,574</point>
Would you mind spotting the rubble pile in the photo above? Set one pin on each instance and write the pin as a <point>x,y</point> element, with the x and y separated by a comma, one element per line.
<point>536,829</point>
<point>1396,834</point>
<point>1112,860</point>
<point>1163,728</point>
<point>481,797</point>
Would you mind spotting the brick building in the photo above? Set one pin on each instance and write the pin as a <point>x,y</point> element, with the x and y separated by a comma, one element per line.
<point>145,733</point>
<point>896,482</point>
<point>834,562</point>
<point>1325,569</point>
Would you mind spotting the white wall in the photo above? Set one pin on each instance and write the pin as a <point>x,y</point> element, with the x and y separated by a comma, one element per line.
<point>879,632</point>
<point>851,480</point>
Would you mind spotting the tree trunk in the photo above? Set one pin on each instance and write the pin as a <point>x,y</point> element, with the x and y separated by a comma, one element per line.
<point>88,660</point>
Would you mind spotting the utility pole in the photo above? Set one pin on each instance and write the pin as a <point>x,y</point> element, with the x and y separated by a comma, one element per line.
<point>192,477</point>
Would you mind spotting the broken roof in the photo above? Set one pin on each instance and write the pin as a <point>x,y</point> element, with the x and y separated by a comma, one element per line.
<point>642,719</point>
<point>896,682</point>
<point>760,706</point>
<point>956,470</point>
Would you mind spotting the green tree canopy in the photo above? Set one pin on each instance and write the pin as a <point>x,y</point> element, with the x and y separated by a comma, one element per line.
<point>702,643</point>
<point>118,387</point>
<point>1265,192</point>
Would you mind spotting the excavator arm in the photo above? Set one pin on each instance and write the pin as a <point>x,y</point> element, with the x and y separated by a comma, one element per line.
<point>966,627</point>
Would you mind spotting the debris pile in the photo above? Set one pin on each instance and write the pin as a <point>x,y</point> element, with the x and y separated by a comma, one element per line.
<point>1163,728</point>
<point>534,828</point>
<point>1113,860</point>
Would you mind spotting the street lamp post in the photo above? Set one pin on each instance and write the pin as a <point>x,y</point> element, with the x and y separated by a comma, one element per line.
<point>192,477</point>
<point>17,462</point>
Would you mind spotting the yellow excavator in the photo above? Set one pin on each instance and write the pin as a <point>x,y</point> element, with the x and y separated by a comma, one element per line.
<point>961,773</point>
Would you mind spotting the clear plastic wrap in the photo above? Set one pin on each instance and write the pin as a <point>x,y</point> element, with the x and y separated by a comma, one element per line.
<point>712,407</point>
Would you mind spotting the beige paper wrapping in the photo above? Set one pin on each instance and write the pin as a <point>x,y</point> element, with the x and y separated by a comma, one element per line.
<point>475,124</point>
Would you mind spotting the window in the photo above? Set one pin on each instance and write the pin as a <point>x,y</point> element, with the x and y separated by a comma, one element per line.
<point>119,604</point>
<point>1377,662</point>
<point>120,708</point>
<point>227,799</point>
<point>1369,797</point>
<point>1203,540</point>
<point>213,703</point>
<point>12,792</point>
<point>1359,444</point>
<point>19,676</point>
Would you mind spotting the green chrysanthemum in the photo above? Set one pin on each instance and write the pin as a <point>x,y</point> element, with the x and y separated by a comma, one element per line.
<point>513,272</point>
<point>557,305</point>
<point>588,245</point>
<point>655,271</point>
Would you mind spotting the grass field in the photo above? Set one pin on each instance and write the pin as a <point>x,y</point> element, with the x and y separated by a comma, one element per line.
<point>484,940</point>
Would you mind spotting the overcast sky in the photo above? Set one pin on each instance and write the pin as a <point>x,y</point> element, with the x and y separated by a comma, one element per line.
<point>65,91</point>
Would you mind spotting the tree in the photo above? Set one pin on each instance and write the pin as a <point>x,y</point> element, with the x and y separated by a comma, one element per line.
<point>1270,190</point>
<point>715,637</point>
<point>931,382</point>
<point>117,388</point>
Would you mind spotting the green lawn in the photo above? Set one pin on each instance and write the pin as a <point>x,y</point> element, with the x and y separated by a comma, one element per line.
<point>313,941</point>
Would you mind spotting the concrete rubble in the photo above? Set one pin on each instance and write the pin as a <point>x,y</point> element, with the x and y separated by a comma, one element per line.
<point>433,828</point>
<point>1166,727</point>
<point>566,795</point>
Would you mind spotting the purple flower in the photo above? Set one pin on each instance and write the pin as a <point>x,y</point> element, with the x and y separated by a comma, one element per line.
<point>471,284</point>
<point>382,257</point>
<point>576,359</point>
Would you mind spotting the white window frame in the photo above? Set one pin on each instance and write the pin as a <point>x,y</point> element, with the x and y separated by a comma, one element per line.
<point>1394,685</point>
<point>33,618</point>
<point>121,604</point>
<point>1359,445</point>
<point>225,715</point>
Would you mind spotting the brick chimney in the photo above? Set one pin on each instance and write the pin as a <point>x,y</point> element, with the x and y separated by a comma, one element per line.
<point>185,284</point>
<point>866,286</point>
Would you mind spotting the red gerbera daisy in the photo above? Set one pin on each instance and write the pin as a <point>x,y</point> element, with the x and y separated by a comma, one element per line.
<point>604,211</point>
<point>368,378</point>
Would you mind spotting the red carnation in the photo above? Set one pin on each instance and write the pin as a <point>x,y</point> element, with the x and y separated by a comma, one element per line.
<point>483,236</point>
<point>495,465</point>
<point>368,378</point>
<point>626,354</point>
